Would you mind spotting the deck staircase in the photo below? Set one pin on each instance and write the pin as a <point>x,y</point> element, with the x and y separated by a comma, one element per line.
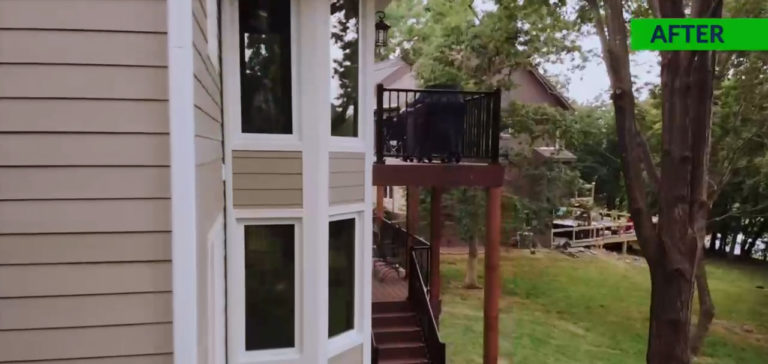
<point>404,327</point>
<point>397,334</point>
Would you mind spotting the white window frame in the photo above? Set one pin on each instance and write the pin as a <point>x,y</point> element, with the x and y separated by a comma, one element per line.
<point>353,337</point>
<point>212,20</point>
<point>230,30</point>
<point>236,297</point>
<point>355,143</point>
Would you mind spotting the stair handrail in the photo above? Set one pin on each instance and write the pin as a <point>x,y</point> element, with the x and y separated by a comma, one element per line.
<point>417,294</point>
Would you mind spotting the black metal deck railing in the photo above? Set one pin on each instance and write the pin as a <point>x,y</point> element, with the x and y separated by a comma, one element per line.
<point>428,125</point>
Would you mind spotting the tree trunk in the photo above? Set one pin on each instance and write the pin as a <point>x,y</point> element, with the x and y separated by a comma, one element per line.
<point>671,298</point>
<point>706,309</point>
<point>746,250</point>
<point>470,279</point>
<point>672,247</point>
<point>732,247</point>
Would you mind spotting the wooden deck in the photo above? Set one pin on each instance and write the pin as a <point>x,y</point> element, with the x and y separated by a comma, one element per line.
<point>395,172</point>
<point>387,285</point>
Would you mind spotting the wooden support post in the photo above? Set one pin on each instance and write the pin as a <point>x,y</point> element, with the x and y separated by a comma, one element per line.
<point>492,277</point>
<point>411,221</point>
<point>436,237</point>
<point>624,247</point>
<point>380,203</point>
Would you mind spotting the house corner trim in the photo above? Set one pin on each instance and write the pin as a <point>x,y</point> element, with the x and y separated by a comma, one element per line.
<point>183,214</point>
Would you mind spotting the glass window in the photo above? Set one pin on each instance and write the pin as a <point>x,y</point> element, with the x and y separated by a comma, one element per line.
<point>341,276</point>
<point>345,15</point>
<point>269,286</point>
<point>265,66</point>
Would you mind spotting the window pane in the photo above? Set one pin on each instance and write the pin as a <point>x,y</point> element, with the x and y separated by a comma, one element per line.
<point>265,66</point>
<point>344,66</point>
<point>269,286</point>
<point>341,276</point>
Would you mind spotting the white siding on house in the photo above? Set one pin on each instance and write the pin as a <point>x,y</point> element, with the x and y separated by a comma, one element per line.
<point>84,183</point>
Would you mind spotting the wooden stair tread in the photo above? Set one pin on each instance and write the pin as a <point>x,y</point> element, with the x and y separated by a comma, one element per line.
<point>396,329</point>
<point>401,345</point>
<point>394,314</point>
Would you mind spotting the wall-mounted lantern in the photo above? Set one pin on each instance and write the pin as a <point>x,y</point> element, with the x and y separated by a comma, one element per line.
<point>382,29</point>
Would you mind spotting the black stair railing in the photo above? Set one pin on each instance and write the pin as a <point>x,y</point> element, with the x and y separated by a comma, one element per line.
<point>437,124</point>
<point>417,295</point>
<point>390,243</point>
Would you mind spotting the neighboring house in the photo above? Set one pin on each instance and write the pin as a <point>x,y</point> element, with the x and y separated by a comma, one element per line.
<point>134,154</point>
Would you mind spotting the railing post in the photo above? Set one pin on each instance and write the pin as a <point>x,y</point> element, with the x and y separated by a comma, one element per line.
<point>436,235</point>
<point>495,126</point>
<point>379,122</point>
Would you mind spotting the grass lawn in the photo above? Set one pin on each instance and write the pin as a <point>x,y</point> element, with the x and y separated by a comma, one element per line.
<point>594,309</point>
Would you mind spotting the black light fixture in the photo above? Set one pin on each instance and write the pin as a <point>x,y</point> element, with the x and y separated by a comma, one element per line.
<point>382,29</point>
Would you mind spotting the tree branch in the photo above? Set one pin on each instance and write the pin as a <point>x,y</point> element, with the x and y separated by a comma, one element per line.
<point>649,166</point>
<point>601,34</point>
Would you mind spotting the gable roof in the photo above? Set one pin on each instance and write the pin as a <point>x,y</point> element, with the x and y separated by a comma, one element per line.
<point>551,89</point>
<point>390,71</point>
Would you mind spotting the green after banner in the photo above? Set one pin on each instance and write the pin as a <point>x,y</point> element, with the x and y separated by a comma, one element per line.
<point>699,34</point>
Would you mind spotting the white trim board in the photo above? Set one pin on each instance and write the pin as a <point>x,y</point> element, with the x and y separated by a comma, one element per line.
<point>183,198</point>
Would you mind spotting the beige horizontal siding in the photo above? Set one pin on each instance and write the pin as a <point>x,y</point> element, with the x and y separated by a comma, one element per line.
<point>82,279</point>
<point>206,126</point>
<point>78,216</point>
<point>73,115</point>
<point>346,165</point>
<point>123,15</point>
<point>255,181</point>
<point>347,177</point>
<point>255,198</point>
<point>208,178</point>
<point>85,342</point>
<point>205,99</point>
<point>84,182</point>
<point>266,155</point>
<point>32,149</point>
<point>266,165</point>
<point>83,248</point>
<point>83,81</point>
<point>132,359</point>
<point>339,195</point>
<point>78,47</point>
<point>204,72</point>
<point>267,179</point>
<point>90,310</point>
<point>207,150</point>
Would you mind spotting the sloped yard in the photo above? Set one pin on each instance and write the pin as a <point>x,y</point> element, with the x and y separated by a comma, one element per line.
<point>594,309</point>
